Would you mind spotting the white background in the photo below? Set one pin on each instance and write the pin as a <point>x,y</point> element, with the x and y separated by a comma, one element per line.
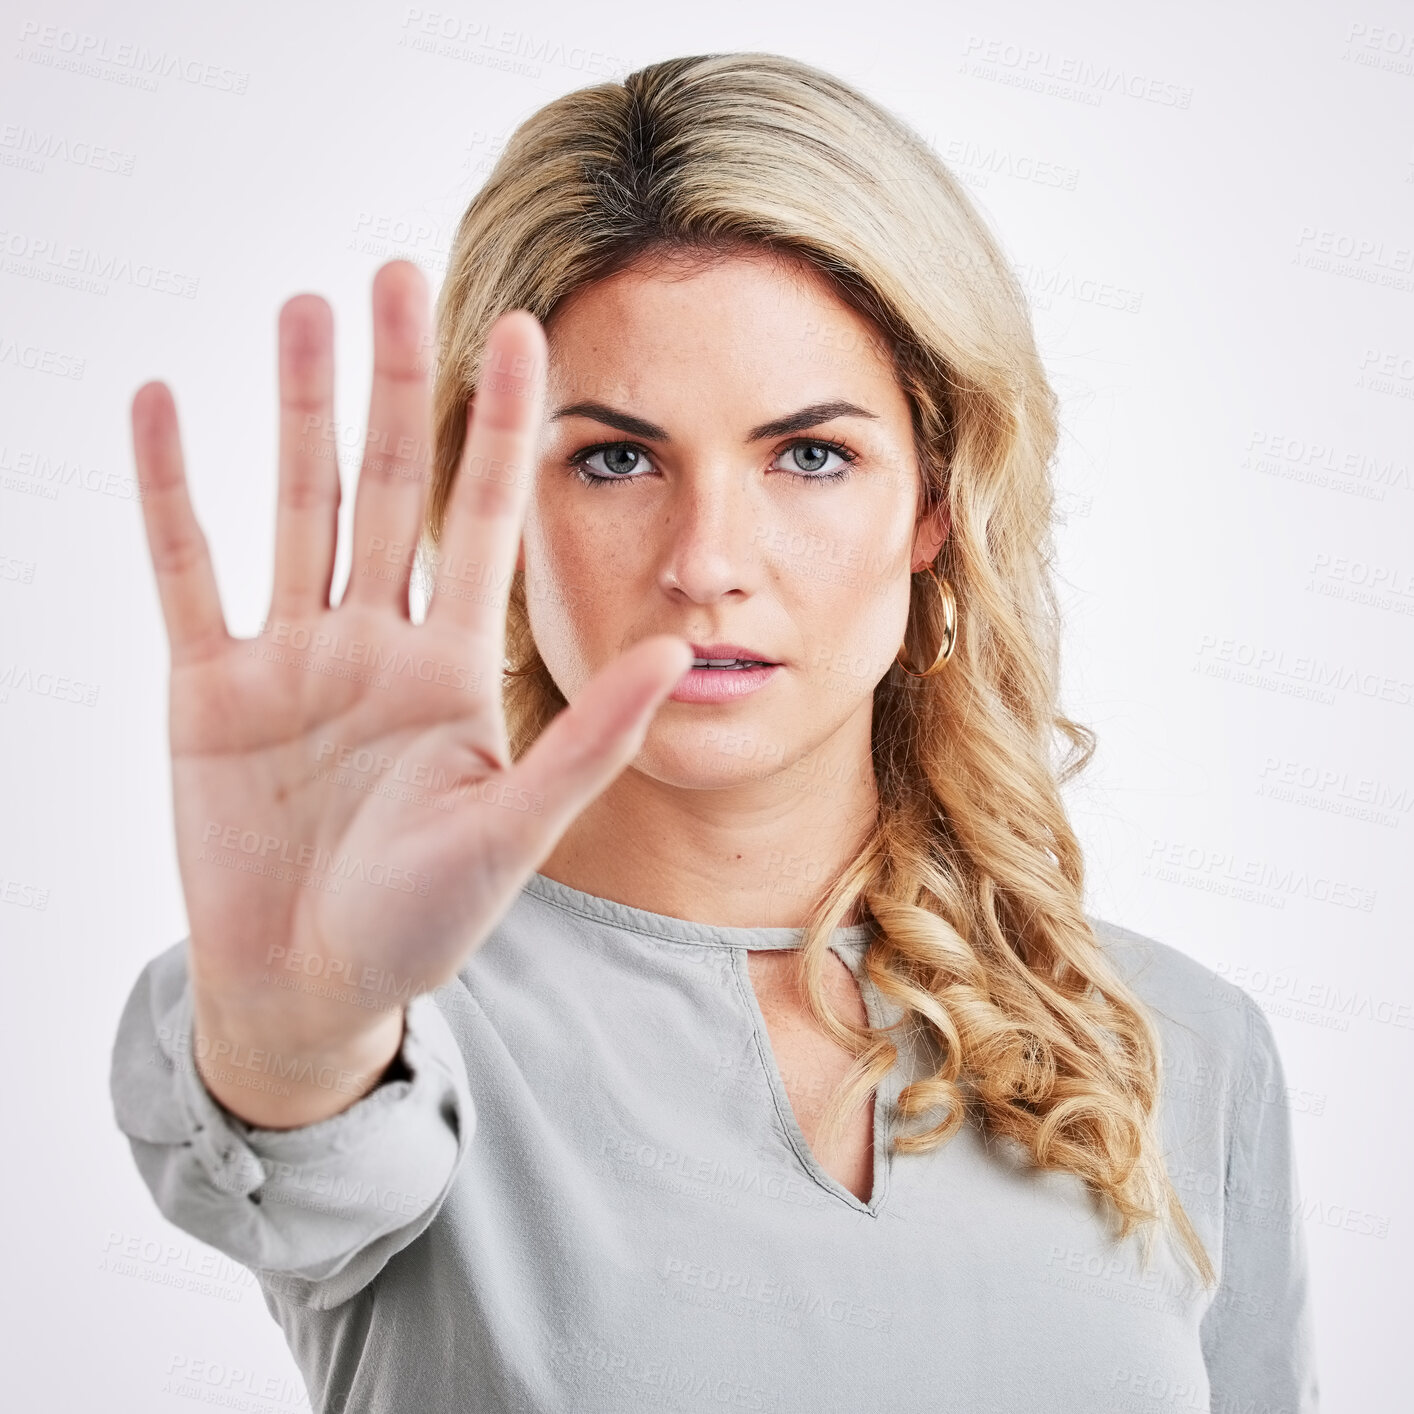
<point>1237,560</point>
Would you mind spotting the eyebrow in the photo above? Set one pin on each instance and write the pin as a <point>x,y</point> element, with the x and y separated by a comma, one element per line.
<point>807,417</point>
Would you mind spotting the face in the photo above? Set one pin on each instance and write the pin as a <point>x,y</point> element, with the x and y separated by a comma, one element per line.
<point>666,501</point>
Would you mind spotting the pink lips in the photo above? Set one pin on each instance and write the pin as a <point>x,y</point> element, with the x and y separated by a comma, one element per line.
<point>722,684</point>
<point>728,650</point>
<point>704,685</point>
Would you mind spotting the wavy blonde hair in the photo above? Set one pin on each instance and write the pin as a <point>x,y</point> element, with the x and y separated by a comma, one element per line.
<point>972,873</point>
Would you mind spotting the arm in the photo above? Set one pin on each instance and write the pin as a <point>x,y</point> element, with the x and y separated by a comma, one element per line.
<point>314,1211</point>
<point>1257,1334</point>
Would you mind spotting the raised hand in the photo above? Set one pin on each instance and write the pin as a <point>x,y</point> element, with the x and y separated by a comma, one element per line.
<point>349,824</point>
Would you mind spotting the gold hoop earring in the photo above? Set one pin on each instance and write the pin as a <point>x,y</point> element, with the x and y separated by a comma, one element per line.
<point>949,631</point>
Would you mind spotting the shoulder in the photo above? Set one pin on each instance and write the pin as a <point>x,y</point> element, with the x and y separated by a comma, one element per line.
<point>1198,1013</point>
<point>1223,1081</point>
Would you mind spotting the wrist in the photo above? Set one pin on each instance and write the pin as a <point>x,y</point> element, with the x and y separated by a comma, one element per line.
<point>274,1082</point>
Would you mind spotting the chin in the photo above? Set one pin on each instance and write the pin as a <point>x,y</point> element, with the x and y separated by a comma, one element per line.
<point>703,755</point>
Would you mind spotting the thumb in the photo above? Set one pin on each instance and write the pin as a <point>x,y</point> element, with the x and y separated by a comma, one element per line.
<point>591,741</point>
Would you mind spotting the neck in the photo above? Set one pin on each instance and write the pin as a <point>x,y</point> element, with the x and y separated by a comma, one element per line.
<point>757,852</point>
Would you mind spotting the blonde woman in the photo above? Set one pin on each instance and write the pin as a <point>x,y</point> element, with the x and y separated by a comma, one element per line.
<point>658,978</point>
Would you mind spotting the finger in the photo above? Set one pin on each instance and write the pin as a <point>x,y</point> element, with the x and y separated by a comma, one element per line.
<point>392,482</point>
<point>486,505</point>
<point>307,513</point>
<point>186,582</point>
<point>591,741</point>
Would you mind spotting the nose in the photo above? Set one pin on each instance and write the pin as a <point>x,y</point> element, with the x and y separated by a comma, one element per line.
<point>710,538</point>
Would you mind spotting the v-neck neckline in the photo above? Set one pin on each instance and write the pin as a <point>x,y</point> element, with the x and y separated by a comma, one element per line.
<point>885,1093</point>
<point>848,943</point>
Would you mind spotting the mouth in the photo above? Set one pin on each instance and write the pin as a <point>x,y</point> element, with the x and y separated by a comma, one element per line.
<point>720,678</point>
<point>729,658</point>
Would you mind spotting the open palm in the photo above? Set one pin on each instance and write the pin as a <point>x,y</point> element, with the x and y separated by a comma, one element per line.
<point>349,824</point>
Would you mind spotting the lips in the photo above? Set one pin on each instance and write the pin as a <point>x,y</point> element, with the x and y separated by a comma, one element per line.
<point>729,652</point>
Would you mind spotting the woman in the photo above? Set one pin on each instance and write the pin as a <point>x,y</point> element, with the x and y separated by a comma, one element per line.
<point>712,1019</point>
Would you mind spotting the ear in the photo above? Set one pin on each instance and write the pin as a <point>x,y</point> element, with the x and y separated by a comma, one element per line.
<point>520,556</point>
<point>928,539</point>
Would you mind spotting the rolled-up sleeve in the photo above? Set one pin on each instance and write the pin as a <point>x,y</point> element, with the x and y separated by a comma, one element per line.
<point>1257,1334</point>
<point>314,1212</point>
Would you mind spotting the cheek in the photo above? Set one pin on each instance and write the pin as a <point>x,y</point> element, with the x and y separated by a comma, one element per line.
<point>850,612</point>
<point>847,577</point>
<point>857,633</point>
<point>578,593</point>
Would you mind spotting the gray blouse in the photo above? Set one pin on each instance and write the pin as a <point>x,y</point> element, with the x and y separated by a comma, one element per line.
<point>592,1196</point>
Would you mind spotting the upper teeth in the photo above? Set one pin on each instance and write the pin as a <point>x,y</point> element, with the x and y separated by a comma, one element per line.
<point>721,662</point>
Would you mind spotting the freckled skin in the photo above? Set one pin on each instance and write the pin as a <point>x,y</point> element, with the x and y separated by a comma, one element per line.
<point>735,813</point>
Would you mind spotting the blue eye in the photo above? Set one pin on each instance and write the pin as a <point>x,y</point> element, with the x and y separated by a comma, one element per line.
<point>839,474</point>
<point>614,471</point>
<point>612,450</point>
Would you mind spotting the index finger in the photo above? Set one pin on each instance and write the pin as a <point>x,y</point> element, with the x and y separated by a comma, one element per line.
<point>486,505</point>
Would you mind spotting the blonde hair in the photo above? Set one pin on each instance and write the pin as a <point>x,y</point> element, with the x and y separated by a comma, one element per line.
<point>972,874</point>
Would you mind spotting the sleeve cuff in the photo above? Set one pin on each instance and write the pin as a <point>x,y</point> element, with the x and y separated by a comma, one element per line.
<point>297,1201</point>
<point>239,1157</point>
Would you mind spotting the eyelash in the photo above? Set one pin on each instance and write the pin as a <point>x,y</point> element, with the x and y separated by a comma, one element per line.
<point>591,479</point>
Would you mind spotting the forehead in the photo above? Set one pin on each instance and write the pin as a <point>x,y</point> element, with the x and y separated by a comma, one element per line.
<point>751,321</point>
